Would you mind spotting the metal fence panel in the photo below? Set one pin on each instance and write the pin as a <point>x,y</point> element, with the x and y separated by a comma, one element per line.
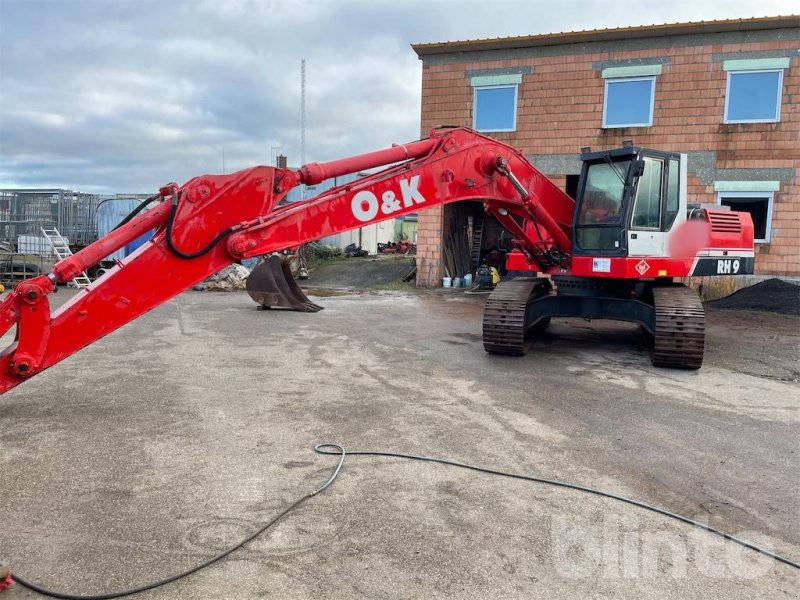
<point>23,212</point>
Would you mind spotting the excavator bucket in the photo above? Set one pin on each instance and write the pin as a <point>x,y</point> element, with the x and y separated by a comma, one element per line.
<point>272,285</point>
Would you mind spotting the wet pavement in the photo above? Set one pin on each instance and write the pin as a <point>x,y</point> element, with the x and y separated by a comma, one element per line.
<point>177,435</point>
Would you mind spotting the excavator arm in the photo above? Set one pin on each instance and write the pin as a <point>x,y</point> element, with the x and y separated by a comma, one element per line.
<point>212,221</point>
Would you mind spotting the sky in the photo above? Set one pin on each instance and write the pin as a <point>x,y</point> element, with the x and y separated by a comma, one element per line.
<point>115,96</point>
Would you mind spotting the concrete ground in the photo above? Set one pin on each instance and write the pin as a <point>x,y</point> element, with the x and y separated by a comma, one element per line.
<point>179,434</point>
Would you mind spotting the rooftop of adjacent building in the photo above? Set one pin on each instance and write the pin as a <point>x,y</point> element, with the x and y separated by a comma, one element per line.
<point>616,33</point>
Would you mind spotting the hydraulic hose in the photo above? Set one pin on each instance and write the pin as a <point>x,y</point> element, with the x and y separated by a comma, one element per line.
<point>161,582</point>
<point>135,211</point>
<point>190,255</point>
<point>333,449</point>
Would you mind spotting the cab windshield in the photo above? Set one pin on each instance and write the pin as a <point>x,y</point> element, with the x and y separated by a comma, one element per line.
<point>602,195</point>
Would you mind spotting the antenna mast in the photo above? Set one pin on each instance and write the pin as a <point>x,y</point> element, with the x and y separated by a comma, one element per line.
<point>303,121</point>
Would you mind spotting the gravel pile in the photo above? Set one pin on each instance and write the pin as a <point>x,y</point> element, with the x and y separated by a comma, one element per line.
<point>771,295</point>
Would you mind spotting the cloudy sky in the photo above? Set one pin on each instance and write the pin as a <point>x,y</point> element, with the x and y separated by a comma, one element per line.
<point>125,95</point>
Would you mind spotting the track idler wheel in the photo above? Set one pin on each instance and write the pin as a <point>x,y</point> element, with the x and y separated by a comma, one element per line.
<point>271,285</point>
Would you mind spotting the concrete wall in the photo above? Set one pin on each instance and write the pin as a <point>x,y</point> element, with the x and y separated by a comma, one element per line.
<point>430,247</point>
<point>560,107</point>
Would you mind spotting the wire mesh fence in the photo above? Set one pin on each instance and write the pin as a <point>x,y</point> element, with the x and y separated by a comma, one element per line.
<point>24,212</point>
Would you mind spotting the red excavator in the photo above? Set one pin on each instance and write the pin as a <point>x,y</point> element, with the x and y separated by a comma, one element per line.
<point>613,253</point>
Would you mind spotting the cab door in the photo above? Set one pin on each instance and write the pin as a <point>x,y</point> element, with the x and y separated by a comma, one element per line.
<point>660,192</point>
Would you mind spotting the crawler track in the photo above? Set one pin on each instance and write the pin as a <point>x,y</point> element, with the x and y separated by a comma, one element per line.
<point>680,328</point>
<point>504,327</point>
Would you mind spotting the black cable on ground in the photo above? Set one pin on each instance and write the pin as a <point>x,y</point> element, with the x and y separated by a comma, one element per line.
<point>149,586</point>
<point>320,448</point>
<point>332,449</point>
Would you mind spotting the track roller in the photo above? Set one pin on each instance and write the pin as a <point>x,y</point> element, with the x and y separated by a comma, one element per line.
<point>679,339</point>
<point>504,327</point>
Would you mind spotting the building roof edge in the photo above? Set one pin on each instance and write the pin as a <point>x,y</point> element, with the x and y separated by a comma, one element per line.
<point>617,33</point>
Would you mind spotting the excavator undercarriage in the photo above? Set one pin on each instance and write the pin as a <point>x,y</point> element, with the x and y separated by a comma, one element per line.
<point>671,315</point>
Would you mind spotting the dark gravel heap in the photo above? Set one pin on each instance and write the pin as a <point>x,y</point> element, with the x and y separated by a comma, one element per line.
<point>772,295</point>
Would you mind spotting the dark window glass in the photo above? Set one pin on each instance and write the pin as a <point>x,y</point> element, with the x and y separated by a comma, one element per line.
<point>571,186</point>
<point>758,209</point>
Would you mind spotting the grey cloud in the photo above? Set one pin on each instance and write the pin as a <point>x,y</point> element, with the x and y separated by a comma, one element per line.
<point>127,95</point>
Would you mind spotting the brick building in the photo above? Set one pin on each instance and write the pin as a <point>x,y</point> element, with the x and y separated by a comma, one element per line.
<point>727,93</point>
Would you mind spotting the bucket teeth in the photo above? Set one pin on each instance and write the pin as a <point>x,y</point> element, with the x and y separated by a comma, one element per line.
<point>271,285</point>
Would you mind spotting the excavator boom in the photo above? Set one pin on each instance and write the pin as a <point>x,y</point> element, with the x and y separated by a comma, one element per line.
<point>212,221</point>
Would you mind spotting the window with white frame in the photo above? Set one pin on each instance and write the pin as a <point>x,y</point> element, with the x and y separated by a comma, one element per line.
<point>758,204</point>
<point>754,90</point>
<point>629,102</point>
<point>495,108</point>
<point>753,96</point>
<point>630,95</point>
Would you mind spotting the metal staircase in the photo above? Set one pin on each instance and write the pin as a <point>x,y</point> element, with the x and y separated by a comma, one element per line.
<point>61,250</point>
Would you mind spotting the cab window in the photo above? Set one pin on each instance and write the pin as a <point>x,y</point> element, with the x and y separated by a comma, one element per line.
<point>673,193</point>
<point>601,208</point>
<point>647,206</point>
<point>602,195</point>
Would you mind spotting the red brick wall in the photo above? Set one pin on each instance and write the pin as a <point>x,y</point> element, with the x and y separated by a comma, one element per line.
<point>560,107</point>
<point>429,246</point>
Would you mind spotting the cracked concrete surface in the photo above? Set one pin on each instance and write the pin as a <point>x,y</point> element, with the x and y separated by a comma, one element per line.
<point>177,435</point>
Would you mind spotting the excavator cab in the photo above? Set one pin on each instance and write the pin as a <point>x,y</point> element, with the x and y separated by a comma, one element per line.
<point>628,201</point>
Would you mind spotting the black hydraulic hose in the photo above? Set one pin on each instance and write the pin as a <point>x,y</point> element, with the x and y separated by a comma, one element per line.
<point>189,255</point>
<point>149,586</point>
<point>333,449</point>
<point>572,486</point>
<point>135,211</point>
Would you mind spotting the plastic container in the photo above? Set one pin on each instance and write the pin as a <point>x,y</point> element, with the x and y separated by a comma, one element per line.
<point>456,282</point>
<point>109,214</point>
<point>446,282</point>
<point>468,280</point>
